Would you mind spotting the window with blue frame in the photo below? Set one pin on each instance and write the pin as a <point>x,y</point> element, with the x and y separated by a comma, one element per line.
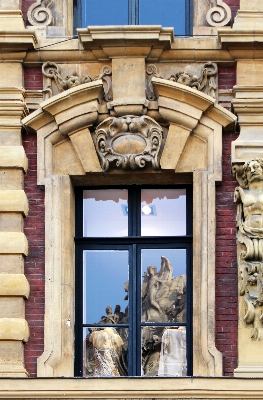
<point>168,13</point>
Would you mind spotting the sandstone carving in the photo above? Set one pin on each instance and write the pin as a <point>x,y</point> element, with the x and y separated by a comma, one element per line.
<point>52,72</point>
<point>219,13</point>
<point>205,83</point>
<point>249,199</point>
<point>40,14</point>
<point>129,142</point>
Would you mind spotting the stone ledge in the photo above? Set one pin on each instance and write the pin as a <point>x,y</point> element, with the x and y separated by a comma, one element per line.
<point>131,388</point>
<point>13,243</point>
<point>13,201</point>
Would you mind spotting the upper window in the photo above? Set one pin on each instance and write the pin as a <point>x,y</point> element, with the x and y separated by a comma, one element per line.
<point>168,13</point>
<point>133,282</point>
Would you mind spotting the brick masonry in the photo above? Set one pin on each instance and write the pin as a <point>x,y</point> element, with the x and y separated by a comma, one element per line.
<point>34,227</point>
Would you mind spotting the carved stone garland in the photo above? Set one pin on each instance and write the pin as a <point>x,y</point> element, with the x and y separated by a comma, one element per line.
<point>205,83</point>
<point>249,199</point>
<point>129,142</point>
<point>219,14</point>
<point>52,71</point>
<point>39,13</point>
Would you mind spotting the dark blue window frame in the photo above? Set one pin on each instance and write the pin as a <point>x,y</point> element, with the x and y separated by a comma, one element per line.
<point>133,17</point>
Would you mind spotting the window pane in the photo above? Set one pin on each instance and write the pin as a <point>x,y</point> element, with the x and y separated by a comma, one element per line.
<point>105,283</point>
<point>105,213</point>
<point>168,13</point>
<point>163,212</point>
<point>105,352</point>
<point>105,12</point>
<point>163,285</point>
<point>164,351</point>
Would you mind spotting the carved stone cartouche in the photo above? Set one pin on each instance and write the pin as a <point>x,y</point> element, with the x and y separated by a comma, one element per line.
<point>52,71</point>
<point>128,142</point>
<point>249,199</point>
<point>40,14</point>
<point>205,83</point>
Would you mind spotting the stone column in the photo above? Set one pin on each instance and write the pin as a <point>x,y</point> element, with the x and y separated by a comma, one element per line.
<point>14,287</point>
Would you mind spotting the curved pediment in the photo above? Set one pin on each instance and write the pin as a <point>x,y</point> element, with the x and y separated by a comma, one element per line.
<point>65,125</point>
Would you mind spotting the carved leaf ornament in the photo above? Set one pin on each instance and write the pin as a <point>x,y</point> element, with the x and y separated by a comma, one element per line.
<point>39,13</point>
<point>129,142</point>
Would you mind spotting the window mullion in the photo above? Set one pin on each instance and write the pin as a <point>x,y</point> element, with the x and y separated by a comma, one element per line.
<point>133,7</point>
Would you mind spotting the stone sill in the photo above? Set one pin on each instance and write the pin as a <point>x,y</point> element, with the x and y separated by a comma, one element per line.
<point>137,387</point>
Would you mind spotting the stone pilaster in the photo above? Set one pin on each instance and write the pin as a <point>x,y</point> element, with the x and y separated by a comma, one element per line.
<point>14,287</point>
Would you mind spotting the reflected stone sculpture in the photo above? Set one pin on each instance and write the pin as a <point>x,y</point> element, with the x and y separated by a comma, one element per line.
<point>249,199</point>
<point>173,353</point>
<point>107,346</point>
<point>109,318</point>
<point>129,142</point>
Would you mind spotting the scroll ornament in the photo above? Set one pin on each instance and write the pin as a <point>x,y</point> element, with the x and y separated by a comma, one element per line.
<point>40,14</point>
<point>52,71</point>
<point>219,14</point>
<point>249,199</point>
<point>205,83</point>
<point>129,142</point>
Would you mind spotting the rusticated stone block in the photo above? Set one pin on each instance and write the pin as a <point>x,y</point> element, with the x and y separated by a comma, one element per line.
<point>14,329</point>
<point>13,157</point>
<point>14,285</point>
<point>13,201</point>
<point>13,243</point>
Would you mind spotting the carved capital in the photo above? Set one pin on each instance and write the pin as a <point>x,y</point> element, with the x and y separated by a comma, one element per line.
<point>219,14</point>
<point>129,142</point>
<point>40,14</point>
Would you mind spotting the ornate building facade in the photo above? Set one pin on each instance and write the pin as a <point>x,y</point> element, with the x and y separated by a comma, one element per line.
<point>131,157</point>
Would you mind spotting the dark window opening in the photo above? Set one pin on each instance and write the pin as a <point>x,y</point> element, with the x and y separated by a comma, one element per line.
<point>133,281</point>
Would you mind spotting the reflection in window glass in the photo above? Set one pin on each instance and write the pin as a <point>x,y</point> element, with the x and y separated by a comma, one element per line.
<point>105,352</point>
<point>164,12</point>
<point>163,212</point>
<point>105,12</point>
<point>103,214</point>
<point>105,286</point>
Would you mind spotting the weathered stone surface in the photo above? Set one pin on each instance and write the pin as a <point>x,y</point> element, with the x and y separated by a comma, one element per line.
<point>13,243</point>
<point>14,285</point>
<point>13,201</point>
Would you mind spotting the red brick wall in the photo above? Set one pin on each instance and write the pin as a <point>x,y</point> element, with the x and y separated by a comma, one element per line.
<point>25,6</point>
<point>33,78</point>
<point>226,77</point>
<point>34,264</point>
<point>234,5</point>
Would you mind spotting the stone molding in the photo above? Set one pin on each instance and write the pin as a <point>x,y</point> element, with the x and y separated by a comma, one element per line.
<point>13,243</point>
<point>62,125</point>
<point>14,285</point>
<point>14,329</point>
<point>13,157</point>
<point>40,13</point>
<point>13,201</point>
<point>219,15</point>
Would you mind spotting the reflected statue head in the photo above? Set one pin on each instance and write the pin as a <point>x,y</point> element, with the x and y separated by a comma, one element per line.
<point>109,310</point>
<point>151,270</point>
<point>252,171</point>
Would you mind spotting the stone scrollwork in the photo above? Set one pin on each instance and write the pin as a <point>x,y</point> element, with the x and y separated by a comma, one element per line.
<point>205,83</point>
<point>40,14</point>
<point>129,142</point>
<point>249,199</point>
<point>219,14</point>
<point>52,72</point>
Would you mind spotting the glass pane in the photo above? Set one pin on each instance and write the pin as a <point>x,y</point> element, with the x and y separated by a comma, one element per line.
<point>105,352</point>
<point>164,351</point>
<point>165,13</point>
<point>163,285</point>
<point>163,212</point>
<point>105,12</point>
<point>105,287</point>
<point>105,213</point>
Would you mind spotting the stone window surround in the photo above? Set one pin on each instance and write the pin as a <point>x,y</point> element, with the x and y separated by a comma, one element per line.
<point>62,124</point>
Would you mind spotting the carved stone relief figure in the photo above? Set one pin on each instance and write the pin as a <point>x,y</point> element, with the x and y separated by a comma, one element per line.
<point>206,82</point>
<point>249,199</point>
<point>40,13</point>
<point>52,72</point>
<point>129,142</point>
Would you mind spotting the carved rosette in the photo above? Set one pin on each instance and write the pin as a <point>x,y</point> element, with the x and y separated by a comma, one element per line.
<point>218,15</point>
<point>249,200</point>
<point>40,14</point>
<point>129,142</point>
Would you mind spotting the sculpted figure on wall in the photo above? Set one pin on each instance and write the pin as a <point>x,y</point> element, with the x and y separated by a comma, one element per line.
<point>249,199</point>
